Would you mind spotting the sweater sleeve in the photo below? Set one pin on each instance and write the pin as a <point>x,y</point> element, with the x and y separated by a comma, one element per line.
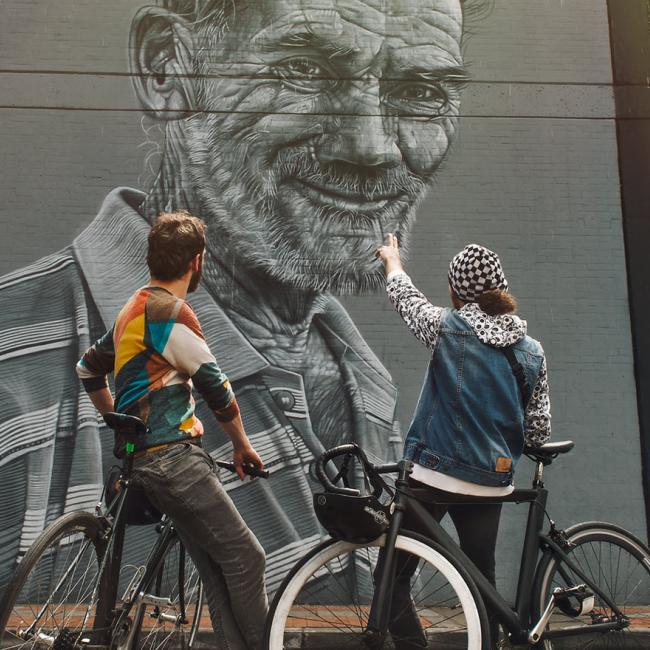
<point>421,317</point>
<point>186,349</point>
<point>96,363</point>
<point>537,422</point>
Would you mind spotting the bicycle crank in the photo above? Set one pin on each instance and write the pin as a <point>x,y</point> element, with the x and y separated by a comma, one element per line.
<point>561,598</point>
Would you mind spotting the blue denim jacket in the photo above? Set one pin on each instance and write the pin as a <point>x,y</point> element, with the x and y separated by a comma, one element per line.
<point>469,420</point>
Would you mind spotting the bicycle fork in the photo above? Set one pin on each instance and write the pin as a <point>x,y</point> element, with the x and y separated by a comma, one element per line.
<point>380,608</point>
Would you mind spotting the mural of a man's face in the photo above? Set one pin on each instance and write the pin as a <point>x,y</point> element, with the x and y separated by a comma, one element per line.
<point>319,125</point>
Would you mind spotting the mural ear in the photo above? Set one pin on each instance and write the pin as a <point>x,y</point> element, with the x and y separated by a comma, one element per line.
<point>160,53</point>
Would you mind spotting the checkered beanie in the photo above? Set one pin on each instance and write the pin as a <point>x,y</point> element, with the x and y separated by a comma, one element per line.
<point>475,270</point>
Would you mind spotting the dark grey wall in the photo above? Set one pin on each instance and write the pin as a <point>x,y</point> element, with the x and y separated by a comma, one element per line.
<point>533,175</point>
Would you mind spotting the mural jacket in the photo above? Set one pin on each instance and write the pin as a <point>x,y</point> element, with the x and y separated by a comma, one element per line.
<point>54,448</point>
<point>470,422</point>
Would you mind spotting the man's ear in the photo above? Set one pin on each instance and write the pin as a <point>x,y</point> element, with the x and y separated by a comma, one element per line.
<point>160,52</point>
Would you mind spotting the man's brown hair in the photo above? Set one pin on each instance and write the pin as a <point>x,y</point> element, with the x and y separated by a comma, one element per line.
<point>174,241</point>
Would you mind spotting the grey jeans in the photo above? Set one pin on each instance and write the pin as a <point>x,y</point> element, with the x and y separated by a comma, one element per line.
<point>181,481</point>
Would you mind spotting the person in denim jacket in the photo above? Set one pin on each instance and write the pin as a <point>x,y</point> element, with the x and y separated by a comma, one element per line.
<point>473,416</point>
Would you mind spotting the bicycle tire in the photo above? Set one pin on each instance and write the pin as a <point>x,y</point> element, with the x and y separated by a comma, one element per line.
<point>602,552</point>
<point>475,636</point>
<point>154,627</point>
<point>63,565</point>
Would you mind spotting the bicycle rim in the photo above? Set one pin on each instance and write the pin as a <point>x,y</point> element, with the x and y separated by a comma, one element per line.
<point>53,596</point>
<point>325,603</point>
<point>169,614</point>
<point>620,566</point>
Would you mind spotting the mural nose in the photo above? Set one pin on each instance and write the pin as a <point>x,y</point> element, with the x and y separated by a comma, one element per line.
<point>364,141</point>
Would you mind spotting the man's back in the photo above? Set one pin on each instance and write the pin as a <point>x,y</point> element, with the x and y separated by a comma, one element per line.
<point>154,347</point>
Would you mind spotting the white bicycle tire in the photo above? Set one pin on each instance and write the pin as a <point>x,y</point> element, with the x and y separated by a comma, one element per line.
<point>403,543</point>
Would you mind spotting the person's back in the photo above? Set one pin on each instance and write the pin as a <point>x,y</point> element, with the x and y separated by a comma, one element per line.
<point>473,396</point>
<point>157,352</point>
<point>484,396</point>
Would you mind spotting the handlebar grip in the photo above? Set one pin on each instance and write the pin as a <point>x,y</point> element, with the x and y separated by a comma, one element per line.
<point>250,470</point>
<point>328,455</point>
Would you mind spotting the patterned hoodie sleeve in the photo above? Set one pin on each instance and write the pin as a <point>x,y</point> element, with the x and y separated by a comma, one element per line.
<point>421,317</point>
<point>538,412</point>
<point>96,363</point>
<point>186,349</point>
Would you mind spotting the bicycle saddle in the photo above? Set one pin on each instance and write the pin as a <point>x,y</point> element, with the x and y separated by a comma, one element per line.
<point>546,453</point>
<point>127,425</point>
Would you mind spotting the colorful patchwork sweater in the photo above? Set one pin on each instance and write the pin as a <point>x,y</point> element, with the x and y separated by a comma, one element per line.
<point>157,351</point>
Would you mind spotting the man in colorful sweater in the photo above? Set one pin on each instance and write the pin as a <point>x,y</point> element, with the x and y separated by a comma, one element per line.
<point>157,352</point>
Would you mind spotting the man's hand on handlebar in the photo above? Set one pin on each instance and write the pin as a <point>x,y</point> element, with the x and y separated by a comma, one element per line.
<point>245,456</point>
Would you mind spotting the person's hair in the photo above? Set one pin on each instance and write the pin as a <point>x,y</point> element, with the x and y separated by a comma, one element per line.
<point>496,302</point>
<point>174,241</point>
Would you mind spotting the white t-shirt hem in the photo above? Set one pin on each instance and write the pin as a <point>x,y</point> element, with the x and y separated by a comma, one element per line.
<point>455,485</point>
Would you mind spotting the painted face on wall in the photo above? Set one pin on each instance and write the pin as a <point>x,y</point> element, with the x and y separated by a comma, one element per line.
<point>321,126</point>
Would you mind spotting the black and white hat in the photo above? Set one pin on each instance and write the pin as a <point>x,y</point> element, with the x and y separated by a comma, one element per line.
<point>474,270</point>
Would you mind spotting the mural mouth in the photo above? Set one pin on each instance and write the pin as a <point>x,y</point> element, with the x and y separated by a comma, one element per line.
<point>344,199</point>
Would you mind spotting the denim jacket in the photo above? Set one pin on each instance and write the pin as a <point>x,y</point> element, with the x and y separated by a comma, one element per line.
<point>470,422</point>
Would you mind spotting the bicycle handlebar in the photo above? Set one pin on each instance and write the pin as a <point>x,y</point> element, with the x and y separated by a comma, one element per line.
<point>328,455</point>
<point>370,468</point>
<point>250,470</point>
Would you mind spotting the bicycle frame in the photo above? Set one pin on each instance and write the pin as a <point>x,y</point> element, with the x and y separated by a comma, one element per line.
<point>107,617</point>
<point>516,621</point>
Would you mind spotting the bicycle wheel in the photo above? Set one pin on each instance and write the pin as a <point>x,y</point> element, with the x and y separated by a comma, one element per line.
<point>615,561</point>
<point>324,601</point>
<point>53,596</point>
<point>169,614</point>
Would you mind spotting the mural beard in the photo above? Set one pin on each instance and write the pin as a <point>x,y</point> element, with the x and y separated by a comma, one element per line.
<point>282,213</point>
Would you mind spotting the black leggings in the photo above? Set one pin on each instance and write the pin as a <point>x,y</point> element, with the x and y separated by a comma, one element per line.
<point>477,525</point>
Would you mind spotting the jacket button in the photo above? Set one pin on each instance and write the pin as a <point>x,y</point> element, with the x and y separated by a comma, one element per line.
<point>284,399</point>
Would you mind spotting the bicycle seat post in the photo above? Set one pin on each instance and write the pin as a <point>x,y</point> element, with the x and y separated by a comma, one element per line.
<point>130,449</point>
<point>538,479</point>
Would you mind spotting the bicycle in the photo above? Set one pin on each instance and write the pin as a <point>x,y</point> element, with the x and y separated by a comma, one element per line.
<point>64,592</point>
<point>588,584</point>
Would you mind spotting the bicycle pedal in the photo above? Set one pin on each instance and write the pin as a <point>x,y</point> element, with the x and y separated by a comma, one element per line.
<point>574,601</point>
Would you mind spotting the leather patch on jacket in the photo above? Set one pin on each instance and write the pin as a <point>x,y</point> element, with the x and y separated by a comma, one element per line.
<point>503,464</point>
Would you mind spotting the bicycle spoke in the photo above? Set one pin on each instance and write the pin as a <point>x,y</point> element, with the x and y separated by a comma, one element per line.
<point>345,577</point>
<point>620,570</point>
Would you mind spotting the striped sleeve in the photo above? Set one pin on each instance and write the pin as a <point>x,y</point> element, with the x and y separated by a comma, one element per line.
<point>96,363</point>
<point>187,351</point>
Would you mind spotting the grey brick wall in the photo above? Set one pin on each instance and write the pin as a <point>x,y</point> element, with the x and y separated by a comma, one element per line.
<point>533,175</point>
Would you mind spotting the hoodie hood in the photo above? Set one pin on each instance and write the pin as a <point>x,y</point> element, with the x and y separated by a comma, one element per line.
<point>497,331</point>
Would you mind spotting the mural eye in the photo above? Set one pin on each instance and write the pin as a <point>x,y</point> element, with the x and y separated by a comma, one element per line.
<point>419,100</point>
<point>305,75</point>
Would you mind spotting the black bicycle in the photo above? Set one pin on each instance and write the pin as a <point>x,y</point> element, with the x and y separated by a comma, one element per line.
<point>584,586</point>
<point>68,591</point>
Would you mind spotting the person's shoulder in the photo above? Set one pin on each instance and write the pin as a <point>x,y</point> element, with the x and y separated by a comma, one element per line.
<point>53,267</point>
<point>163,306</point>
<point>48,281</point>
<point>455,319</point>
<point>531,345</point>
<point>39,304</point>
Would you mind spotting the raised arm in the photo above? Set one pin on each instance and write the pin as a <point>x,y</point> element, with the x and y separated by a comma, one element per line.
<point>421,317</point>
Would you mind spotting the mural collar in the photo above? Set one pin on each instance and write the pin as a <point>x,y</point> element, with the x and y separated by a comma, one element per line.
<point>111,253</point>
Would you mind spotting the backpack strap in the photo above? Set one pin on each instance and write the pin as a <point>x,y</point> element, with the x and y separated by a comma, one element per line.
<point>518,372</point>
